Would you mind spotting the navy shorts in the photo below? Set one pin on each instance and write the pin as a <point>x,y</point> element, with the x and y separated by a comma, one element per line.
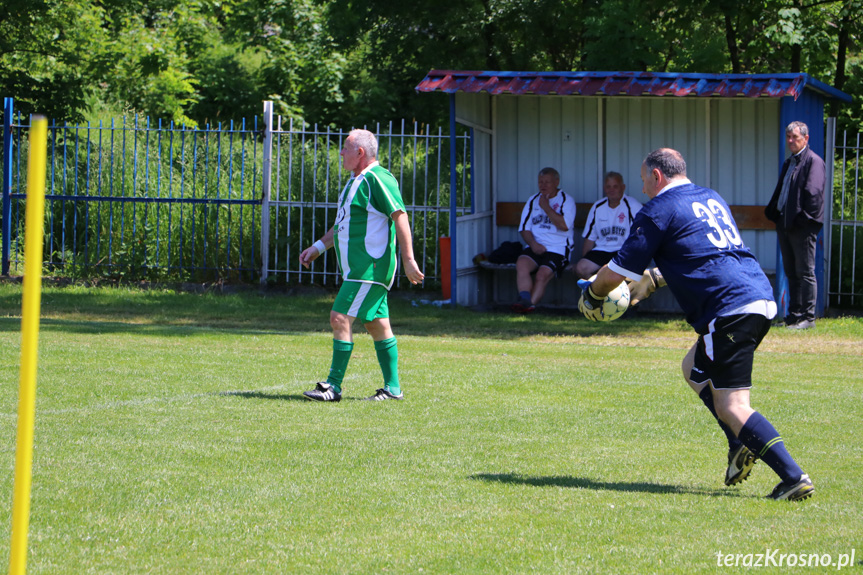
<point>554,262</point>
<point>723,355</point>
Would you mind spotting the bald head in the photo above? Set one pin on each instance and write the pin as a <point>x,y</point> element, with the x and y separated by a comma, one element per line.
<point>668,161</point>
<point>660,168</point>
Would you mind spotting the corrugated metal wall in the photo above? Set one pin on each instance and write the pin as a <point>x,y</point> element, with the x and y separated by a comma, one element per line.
<point>746,139</point>
<point>476,231</point>
<point>731,145</point>
<point>538,131</point>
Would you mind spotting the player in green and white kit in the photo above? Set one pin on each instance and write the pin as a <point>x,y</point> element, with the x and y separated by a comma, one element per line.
<point>371,217</point>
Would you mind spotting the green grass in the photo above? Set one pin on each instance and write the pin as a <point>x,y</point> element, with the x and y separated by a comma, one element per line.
<point>172,437</point>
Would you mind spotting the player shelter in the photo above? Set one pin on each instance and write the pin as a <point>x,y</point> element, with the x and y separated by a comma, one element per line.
<point>729,128</point>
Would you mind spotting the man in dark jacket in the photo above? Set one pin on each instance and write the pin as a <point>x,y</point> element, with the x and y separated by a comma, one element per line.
<point>797,208</point>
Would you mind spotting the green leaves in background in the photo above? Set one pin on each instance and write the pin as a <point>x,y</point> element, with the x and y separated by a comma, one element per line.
<point>352,62</point>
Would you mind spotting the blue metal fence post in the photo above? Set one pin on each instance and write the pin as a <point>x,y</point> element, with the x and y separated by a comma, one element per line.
<point>7,182</point>
<point>453,205</point>
<point>266,184</point>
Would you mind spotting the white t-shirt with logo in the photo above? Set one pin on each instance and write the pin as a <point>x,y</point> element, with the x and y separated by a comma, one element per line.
<point>536,221</point>
<point>609,227</point>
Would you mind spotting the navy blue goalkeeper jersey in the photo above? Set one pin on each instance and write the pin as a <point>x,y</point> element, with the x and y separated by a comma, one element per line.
<point>690,234</point>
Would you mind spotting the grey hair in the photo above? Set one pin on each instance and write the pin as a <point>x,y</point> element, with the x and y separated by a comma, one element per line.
<point>365,140</point>
<point>550,172</point>
<point>669,162</point>
<point>804,129</point>
<point>616,175</point>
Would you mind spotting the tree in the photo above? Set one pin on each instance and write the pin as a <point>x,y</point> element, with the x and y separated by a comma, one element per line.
<point>45,46</point>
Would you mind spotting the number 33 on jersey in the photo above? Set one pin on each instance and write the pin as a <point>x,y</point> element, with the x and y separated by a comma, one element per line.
<point>723,229</point>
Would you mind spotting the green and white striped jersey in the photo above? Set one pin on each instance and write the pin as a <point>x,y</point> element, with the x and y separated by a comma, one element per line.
<point>365,236</point>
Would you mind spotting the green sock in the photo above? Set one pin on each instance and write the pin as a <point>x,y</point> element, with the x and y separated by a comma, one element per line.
<point>341,356</point>
<point>388,358</point>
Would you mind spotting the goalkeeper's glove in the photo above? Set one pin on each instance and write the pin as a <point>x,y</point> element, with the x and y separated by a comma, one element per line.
<point>644,288</point>
<point>588,303</point>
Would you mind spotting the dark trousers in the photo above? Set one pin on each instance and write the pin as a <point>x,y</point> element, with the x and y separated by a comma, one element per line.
<point>798,260</point>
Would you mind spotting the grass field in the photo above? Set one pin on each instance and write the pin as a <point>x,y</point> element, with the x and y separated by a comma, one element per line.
<point>172,437</point>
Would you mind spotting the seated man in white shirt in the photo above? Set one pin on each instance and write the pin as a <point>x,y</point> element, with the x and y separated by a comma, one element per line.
<point>546,226</point>
<point>607,226</point>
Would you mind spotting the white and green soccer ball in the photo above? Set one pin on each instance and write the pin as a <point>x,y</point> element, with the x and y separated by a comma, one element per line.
<point>615,303</point>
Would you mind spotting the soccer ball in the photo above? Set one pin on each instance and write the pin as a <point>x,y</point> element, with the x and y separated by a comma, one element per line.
<point>615,303</point>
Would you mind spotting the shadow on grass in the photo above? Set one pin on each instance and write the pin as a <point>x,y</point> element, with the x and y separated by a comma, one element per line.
<point>263,395</point>
<point>279,396</point>
<point>584,483</point>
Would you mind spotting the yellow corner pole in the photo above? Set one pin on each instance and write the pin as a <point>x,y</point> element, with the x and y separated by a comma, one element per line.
<point>35,220</point>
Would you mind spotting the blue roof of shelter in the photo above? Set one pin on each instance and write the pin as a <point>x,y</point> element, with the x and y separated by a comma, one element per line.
<point>626,84</point>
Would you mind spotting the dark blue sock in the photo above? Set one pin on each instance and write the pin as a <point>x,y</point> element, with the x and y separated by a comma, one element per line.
<point>525,295</point>
<point>706,396</point>
<point>764,441</point>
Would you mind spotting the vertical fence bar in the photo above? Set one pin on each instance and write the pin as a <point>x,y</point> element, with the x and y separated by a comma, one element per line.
<point>123,189</point>
<point>158,207</point>
<point>171,161</point>
<point>17,149</point>
<point>453,202</point>
<point>182,239</point>
<point>86,203</point>
<point>302,191</point>
<point>314,235</point>
<point>426,203</point>
<point>206,206</point>
<point>242,189</point>
<point>146,208</point>
<point>218,191</point>
<point>841,215</point>
<point>192,214</point>
<point>65,192</point>
<point>111,193</point>
<point>8,108</point>
<point>53,187</point>
<point>265,189</point>
<point>99,192</point>
<point>339,188</point>
<point>251,194</point>
<point>854,225</point>
<point>74,202</point>
<point>437,195</point>
<point>830,156</point>
<point>278,190</point>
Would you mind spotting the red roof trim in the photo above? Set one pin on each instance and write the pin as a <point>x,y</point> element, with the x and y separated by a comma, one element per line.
<point>625,84</point>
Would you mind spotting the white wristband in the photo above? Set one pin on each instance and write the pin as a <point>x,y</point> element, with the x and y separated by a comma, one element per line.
<point>321,246</point>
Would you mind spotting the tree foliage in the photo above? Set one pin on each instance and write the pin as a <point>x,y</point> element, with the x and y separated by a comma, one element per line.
<point>351,62</point>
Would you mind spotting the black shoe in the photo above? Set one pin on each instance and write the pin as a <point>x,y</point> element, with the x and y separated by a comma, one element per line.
<point>383,394</point>
<point>323,392</point>
<point>797,491</point>
<point>523,306</point>
<point>740,463</point>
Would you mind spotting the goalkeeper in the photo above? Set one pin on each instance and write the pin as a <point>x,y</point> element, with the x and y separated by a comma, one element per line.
<point>690,234</point>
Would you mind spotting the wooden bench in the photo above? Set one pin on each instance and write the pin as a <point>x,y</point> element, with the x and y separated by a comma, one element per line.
<point>509,214</point>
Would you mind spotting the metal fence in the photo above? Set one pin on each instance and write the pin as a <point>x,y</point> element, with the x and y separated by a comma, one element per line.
<point>138,199</point>
<point>307,180</point>
<point>846,224</point>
